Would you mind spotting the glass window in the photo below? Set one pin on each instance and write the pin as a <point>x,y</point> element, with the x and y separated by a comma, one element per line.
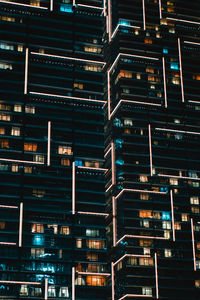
<point>4,144</point>
<point>64,230</point>
<point>79,243</point>
<point>54,228</point>
<point>4,117</point>
<point>96,280</point>
<point>27,169</point>
<point>2,225</point>
<point>143,178</point>
<point>65,150</point>
<point>2,130</point>
<point>17,108</point>
<point>24,290</point>
<point>168,252</point>
<point>37,252</point>
<point>173,181</point>
<point>144,196</point>
<point>92,256</point>
<point>14,168</point>
<point>95,244</point>
<point>52,291</point>
<point>79,280</point>
<point>64,292</point>
<point>147,291</point>
<point>15,131</point>
<point>143,261</point>
<point>194,200</point>
<point>177,226</point>
<point>128,122</point>
<point>145,214</point>
<point>92,232</point>
<point>132,261</point>
<point>39,228</point>
<point>6,66</point>
<point>184,217</point>
<point>30,109</point>
<point>39,158</point>
<point>166,224</point>
<point>30,147</point>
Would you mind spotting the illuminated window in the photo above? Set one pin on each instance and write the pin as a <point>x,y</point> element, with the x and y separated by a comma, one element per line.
<point>39,228</point>
<point>4,107</point>
<point>66,8</point>
<point>119,266</point>
<point>197,284</point>
<point>65,162</point>
<point>168,253</point>
<point>198,246</point>
<point>35,2</point>
<point>65,230</point>
<point>27,169</point>
<point>64,292</point>
<point>80,280</point>
<point>198,264</point>
<point>8,19</point>
<point>146,243</point>
<point>92,164</point>
<point>30,109</point>
<point>148,41</point>
<point>37,252</point>
<point>24,290</point>
<point>150,70</point>
<point>156,215</point>
<point>92,49</point>
<point>4,117</point>
<point>95,280</point>
<point>143,178</point>
<point>78,86</point>
<point>173,181</point>
<point>38,193</point>
<point>138,76</point>
<point>167,234</point>
<point>166,224</point>
<point>143,261</point>
<point>145,214</point>
<point>147,251</point>
<point>95,244</point>
<point>166,215</point>
<point>125,74</point>
<point>20,48</point>
<point>15,168</point>
<point>132,261</point>
<point>184,217</point>
<point>4,144</point>
<point>15,131</point>
<point>6,66</point>
<point>128,122</point>
<point>30,147</point>
<point>194,200</point>
<point>144,196</point>
<point>127,131</point>
<point>2,130</point>
<point>39,158</point>
<point>92,232</point>
<point>195,210</point>
<point>92,68</point>
<point>17,108</point>
<point>54,228</point>
<point>145,223</point>
<point>5,46</point>
<point>147,291</point>
<point>92,256</point>
<point>177,226</point>
<point>196,77</point>
<point>52,291</point>
<point>79,243</point>
<point>2,225</point>
<point>65,150</point>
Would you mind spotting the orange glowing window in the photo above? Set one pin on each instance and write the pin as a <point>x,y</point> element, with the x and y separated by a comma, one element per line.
<point>30,147</point>
<point>146,243</point>
<point>145,214</point>
<point>95,244</point>
<point>148,41</point>
<point>125,74</point>
<point>96,280</point>
<point>4,144</point>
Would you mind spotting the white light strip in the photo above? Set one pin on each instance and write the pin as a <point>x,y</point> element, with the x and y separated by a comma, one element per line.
<point>193,101</point>
<point>66,97</point>
<point>8,243</point>
<point>74,2</point>
<point>193,245</point>
<point>144,16</point>
<point>46,289</point>
<point>20,282</point>
<point>138,191</point>
<point>141,236</point>
<point>26,72</point>
<point>179,131</point>
<point>181,70</point>
<point>70,58</point>
<point>123,25</point>
<point>90,6</point>
<point>104,8</point>
<point>51,5</point>
<point>93,168</point>
<point>164,81</point>
<point>160,9</point>
<point>20,224</point>
<point>8,206</point>
<point>139,56</point>
<point>49,144</point>
<point>73,283</point>
<point>172,211</point>
<point>73,186</point>
<point>130,255</point>
<point>21,161</point>
<point>109,93</point>
<point>156,274</point>
<point>113,281</point>
<point>113,162</point>
<point>107,152</point>
<point>150,151</point>
<point>179,177</point>
<point>109,188</point>
<point>114,221</point>
<point>193,43</point>
<point>181,20</point>
<point>92,213</point>
<point>93,274</point>
<point>136,296</point>
<point>21,4</point>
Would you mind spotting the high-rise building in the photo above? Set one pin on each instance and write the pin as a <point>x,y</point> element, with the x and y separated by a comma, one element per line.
<point>99,149</point>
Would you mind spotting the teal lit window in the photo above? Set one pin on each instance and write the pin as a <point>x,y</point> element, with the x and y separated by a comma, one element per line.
<point>174,66</point>
<point>66,8</point>
<point>166,216</point>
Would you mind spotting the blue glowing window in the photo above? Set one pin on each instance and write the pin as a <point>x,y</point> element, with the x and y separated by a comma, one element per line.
<point>117,122</point>
<point>166,216</point>
<point>78,163</point>
<point>119,162</point>
<point>38,240</point>
<point>124,22</point>
<point>66,8</point>
<point>174,66</point>
<point>165,50</point>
